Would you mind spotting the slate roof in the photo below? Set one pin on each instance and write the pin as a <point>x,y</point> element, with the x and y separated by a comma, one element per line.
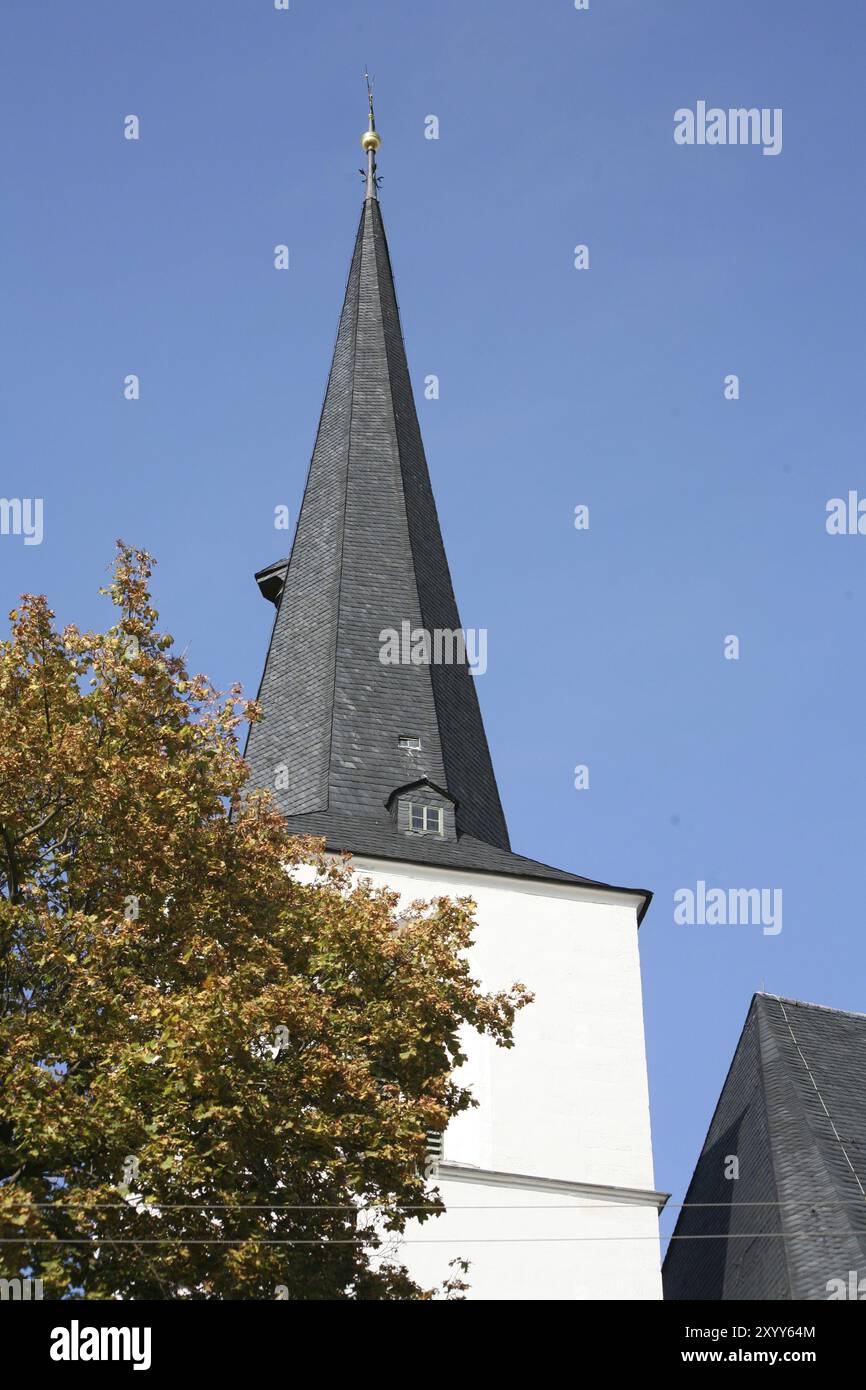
<point>378,839</point>
<point>368,556</point>
<point>793,1112</point>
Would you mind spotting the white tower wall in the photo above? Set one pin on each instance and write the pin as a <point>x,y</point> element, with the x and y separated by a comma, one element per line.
<point>549,1182</point>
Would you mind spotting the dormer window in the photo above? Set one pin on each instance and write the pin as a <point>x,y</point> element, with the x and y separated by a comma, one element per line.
<point>409,741</point>
<point>422,808</point>
<point>424,819</point>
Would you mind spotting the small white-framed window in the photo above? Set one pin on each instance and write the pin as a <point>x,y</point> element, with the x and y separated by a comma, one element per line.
<point>410,741</point>
<point>425,819</point>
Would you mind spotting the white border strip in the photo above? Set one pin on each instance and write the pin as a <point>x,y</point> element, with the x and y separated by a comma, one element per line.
<point>629,1196</point>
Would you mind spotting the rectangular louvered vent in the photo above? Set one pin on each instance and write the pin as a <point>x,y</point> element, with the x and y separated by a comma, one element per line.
<point>435,1145</point>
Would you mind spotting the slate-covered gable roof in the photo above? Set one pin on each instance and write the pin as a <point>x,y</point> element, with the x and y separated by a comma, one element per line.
<point>368,557</point>
<point>792,1113</point>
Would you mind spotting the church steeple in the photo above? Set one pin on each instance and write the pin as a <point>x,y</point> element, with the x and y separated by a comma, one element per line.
<point>344,734</point>
<point>387,761</point>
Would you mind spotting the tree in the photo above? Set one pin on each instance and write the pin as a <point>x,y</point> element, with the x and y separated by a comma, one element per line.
<point>220,1051</point>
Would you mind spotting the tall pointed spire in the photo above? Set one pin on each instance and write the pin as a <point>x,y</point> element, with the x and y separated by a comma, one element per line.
<point>368,558</point>
<point>350,743</point>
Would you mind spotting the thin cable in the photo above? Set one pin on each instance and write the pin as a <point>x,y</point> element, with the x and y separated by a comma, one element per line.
<point>394,1239</point>
<point>157,1206</point>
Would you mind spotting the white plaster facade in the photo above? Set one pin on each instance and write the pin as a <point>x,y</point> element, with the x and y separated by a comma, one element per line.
<point>549,1181</point>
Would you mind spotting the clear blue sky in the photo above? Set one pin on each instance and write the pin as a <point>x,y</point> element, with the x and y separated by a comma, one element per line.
<point>558,387</point>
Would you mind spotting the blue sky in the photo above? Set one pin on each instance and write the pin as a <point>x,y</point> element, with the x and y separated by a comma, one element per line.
<point>558,387</point>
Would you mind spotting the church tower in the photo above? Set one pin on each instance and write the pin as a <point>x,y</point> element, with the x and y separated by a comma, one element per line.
<point>371,737</point>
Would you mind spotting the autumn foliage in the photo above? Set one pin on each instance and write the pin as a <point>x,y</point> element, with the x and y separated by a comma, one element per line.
<point>220,1053</point>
